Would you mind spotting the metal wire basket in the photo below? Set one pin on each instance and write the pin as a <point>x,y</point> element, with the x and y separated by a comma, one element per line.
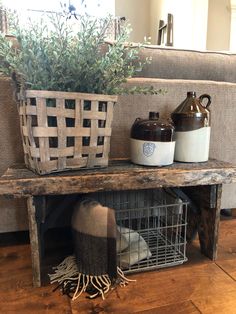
<point>151,228</point>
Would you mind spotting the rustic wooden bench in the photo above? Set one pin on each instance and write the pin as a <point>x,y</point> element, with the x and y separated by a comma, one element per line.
<point>202,182</point>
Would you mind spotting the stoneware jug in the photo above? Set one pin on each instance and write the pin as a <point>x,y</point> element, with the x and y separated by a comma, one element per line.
<point>192,128</point>
<point>152,141</point>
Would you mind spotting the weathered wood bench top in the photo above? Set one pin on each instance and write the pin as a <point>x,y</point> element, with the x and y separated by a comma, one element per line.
<point>120,175</point>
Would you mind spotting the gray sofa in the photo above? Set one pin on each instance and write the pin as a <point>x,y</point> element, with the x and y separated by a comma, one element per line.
<point>180,71</point>
<point>177,71</point>
<point>13,212</point>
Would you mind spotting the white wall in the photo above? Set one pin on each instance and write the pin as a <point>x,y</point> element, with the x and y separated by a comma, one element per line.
<point>219,17</point>
<point>189,19</point>
<point>155,16</point>
<point>198,24</point>
<point>199,19</point>
<point>138,14</point>
<point>233,26</point>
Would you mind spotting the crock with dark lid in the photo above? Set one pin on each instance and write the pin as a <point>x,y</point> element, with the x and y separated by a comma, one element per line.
<point>152,129</point>
<point>152,141</point>
<point>192,113</point>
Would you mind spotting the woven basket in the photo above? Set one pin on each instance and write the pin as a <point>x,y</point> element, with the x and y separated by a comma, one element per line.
<point>64,131</point>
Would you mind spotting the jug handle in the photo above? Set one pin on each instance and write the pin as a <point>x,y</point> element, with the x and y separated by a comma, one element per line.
<point>137,120</point>
<point>205,96</point>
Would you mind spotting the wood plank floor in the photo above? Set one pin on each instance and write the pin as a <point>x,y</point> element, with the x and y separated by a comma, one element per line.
<point>198,286</point>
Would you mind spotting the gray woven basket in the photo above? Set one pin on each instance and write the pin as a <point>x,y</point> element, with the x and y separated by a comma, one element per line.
<point>64,131</point>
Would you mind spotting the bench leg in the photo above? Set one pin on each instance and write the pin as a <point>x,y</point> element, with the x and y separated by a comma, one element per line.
<point>35,210</point>
<point>208,200</point>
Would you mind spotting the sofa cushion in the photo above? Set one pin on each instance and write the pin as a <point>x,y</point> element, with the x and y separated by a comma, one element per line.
<point>223,113</point>
<point>169,63</point>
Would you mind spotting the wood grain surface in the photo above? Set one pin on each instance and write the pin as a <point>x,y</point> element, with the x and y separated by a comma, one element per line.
<point>120,175</point>
<point>198,286</point>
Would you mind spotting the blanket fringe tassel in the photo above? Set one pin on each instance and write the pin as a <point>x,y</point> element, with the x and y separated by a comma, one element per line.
<point>73,283</point>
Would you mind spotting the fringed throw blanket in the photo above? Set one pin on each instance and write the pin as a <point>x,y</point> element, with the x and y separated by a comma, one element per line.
<point>93,268</point>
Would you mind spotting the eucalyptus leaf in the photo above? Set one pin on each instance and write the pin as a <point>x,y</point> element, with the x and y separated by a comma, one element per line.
<point>51,56</point>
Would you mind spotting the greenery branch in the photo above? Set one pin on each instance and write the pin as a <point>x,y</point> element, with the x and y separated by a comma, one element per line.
<point>49,55</point>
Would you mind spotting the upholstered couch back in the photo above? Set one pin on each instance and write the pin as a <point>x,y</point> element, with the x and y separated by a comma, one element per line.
<point>13,212</point>
<point>169,63</point>
<point>180,71</point>
<point>177,71</point>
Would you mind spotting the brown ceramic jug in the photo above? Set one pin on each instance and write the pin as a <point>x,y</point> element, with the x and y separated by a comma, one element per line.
<point>152,141</point>
<point>192,128</point>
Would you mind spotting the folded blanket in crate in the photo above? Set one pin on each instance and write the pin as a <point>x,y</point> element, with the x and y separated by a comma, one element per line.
<point>131,247</point>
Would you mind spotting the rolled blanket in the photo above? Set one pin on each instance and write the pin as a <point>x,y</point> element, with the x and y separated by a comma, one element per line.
<point>93,268</point>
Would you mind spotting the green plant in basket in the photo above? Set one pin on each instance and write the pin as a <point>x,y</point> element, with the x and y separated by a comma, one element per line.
<point>68,77</point>
<point>53,55</point>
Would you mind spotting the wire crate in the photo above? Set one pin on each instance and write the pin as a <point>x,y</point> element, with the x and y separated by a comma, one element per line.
<point>151,228</point>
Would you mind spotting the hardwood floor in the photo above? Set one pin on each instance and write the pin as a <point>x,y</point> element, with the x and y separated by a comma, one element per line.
<point>198,286</point>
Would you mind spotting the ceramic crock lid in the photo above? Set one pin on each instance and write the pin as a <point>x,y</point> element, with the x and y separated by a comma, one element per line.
<point>152,129</point>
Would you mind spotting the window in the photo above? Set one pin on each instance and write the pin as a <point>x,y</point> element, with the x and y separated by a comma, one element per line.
<point>91,7</point>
